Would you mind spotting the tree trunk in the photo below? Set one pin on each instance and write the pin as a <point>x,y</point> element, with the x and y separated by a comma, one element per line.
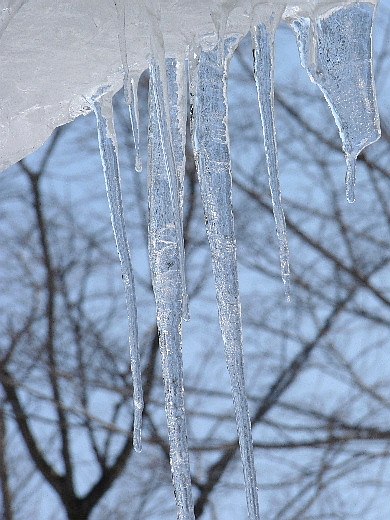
<point>4,480</point>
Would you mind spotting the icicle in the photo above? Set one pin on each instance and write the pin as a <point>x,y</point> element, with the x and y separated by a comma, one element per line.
<point>130,83</point>
<point>132,102</point>
<point>263,44</point>
<point>342,68</point>
<point>220,15</point>
<point>177,100</point>
<point>211,147</point>
<point>350,177</point>
<point>158,85</point>
<point>166,268</point>
<point>102,107</point>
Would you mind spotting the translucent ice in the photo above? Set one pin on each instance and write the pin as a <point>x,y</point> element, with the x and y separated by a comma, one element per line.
<point>159,88</point>
<point>263,44</point>
<point>102,107</point>
<point>166,269</point>
<point>111,43</point>
<point>65,66</point>
<point>335,49</point>
<point>177,101</point>
<point>212,155</point>
<point>130,81</point>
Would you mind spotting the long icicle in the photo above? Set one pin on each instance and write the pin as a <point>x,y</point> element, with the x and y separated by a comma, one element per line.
<point>159,85</point>
<point>130,84</point>
<point>166,269</point>
<point>108,152</point>
<point>211,147</point>
<point>263,44</point>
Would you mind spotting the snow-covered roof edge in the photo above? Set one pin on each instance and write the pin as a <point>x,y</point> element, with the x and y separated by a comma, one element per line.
<point>53,55</point>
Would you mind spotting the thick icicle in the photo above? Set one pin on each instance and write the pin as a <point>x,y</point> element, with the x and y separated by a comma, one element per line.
<point>130,83</point>
<point>263,44</point>
<point>166,268</point>
<point>211,147</point>
<point>159,85</point>
<point>336,51</point>
<point>108,151</point>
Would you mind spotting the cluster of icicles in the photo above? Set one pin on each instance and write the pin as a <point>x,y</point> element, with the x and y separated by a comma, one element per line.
<point>335,49</point>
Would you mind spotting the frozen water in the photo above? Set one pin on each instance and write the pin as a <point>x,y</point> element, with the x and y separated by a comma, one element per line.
<point>212,155</point>
<point>85,53</point>
<point>130,82</point>
<point>329,44</point>
<point>159,85</point>
<point>335,49</point>
<point>263,44</point>
<point>105,44</point>
<point>167,278</point>
<point>177,99</point>
<point>102,106</point>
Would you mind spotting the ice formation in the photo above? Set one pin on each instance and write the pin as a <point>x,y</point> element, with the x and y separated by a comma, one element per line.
<point>211,149</point>
<point>263,49</point>
<point>335,50</point>
<point>104,45</point>
<point>167,259</point>
<point>102,106</point>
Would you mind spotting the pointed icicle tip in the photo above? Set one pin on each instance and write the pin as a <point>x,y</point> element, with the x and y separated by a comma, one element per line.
<point>263,53</point>
<point>134,120</point>
<point>287,287</point>
<point>350,177</point>
<point>137,430</point>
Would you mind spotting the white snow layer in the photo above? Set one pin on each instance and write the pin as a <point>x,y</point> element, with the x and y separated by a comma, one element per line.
<point>62,59</point>
<point>53,54</point>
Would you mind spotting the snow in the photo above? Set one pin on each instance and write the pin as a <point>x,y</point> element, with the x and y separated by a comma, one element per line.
<point>88,50</point>
<point>73,44</point>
